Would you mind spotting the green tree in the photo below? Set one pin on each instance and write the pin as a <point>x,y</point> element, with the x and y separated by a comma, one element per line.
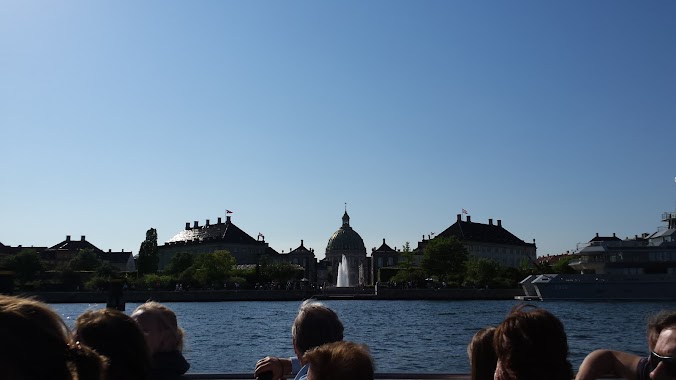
<point>26,265</point>
<point>444,257</point>
<point>148,258</point>
<point>407,262</point>
<point>481,271</point>
<point>282,272</point>
<point>212,269</point>
<point>561,266</point>
<point>85,260</point>
<point>179,263</point>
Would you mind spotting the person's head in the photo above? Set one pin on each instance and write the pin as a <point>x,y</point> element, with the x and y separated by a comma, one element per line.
<point>658,322</point>
<point>160,327</point>
<point>531,344</point>
<point>663,355</point>
<point>118,337</point>
<point>481,354</point>
<point>315,325</point>
<point>338,361</point>
<point>36,344</point>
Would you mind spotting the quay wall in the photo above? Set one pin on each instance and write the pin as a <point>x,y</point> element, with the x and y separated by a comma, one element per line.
<point>278,295</point>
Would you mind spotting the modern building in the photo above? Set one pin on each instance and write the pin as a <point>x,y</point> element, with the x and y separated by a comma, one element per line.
<point>490,241</point>
<point>347,242</point>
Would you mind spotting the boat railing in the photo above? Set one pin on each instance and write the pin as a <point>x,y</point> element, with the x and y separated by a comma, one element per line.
<point>378,376</point>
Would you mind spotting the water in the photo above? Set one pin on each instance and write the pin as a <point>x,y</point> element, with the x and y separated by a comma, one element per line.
<point>404,336</point>
<point>343,274</point>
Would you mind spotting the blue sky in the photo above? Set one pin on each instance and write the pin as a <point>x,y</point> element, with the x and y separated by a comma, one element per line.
<point>555,117</point>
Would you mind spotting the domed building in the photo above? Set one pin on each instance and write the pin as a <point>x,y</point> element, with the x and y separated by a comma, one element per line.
<point>347,241</point>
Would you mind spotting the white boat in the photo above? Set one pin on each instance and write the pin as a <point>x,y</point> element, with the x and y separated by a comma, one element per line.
<point>639,268</point>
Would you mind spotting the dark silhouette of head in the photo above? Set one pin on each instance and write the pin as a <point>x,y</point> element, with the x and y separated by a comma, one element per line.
<point>482,357</point>
<point>36,344</point>
<point>118,337</point>
<point>315,325</point>
<point>531,344</point>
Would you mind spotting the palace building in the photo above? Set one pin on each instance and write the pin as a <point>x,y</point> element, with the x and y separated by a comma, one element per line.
<point>346,241</point>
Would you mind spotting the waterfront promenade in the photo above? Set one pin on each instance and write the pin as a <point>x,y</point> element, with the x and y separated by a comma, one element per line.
<point>279,295</point>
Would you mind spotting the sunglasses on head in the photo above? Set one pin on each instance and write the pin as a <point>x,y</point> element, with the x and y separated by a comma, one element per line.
<point>669,363</point>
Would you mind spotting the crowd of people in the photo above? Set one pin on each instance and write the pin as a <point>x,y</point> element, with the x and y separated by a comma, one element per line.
<point>106,344</point>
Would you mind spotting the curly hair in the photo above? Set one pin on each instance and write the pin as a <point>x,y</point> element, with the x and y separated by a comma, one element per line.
<point>531,344</point>
<point>340,360</point>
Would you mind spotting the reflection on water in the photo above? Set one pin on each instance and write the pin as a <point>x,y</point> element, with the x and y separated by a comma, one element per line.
<point>404,336</point>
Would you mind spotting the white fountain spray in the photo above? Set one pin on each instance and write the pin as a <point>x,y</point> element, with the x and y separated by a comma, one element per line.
<point>343,274</point>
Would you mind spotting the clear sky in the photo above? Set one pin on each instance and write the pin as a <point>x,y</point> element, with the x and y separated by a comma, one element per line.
<point>117,116</point>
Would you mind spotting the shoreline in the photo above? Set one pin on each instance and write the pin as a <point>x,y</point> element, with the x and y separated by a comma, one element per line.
<point>278,295</point>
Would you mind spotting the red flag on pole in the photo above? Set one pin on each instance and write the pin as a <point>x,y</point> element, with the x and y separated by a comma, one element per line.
<point>228,212</point>
<point>464,211</point>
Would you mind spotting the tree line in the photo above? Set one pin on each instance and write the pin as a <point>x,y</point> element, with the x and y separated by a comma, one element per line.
<point>445,262</point>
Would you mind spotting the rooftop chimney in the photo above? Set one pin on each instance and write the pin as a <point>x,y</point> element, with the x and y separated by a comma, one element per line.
<point>82,238</point>
<point>227,219</point>
<point>469,219</point>
<point>499,223</point>
<point>597,234</point>
<point>196,224</point>
<point>490,222</point>
<point>219,220</point>
<point>187,225</point>
<point>207,222</point>
<point>383,241</point>
<point>614,235</point>
<point>110,250</point>
<point>459,217</point>
<point>301,242</point>
<point>67,237</point>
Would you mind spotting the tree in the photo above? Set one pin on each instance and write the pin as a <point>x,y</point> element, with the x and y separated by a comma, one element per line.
<point>282,272</point>
<point>85,260</point>
<point>25,265</point>
<point>148,259</point>
<point>213,268</point>
<point>561,266</point>
<point>179,263</point>
<point>443,257</point>
<point>406,264</point>
<point>481,271</point>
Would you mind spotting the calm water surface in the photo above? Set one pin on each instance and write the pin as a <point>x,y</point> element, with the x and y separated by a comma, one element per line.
<point>404,336</point>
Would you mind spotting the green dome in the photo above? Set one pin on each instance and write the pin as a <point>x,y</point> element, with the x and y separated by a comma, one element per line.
<point>345,239</point>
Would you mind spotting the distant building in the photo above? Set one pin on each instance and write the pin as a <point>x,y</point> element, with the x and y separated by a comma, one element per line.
<point>209,238</point>
<point>346,241</point>
<point>305,258</point>
<point>383,257</point>
<point>66,250</point>
<point>490,241</point>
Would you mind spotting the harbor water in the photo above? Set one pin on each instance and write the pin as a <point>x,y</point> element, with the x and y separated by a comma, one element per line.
<point>404,336</point>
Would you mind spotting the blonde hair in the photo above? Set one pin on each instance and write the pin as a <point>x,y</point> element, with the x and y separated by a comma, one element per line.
<point>36,344</point>
<point>340,360</point>
<point>166,319</point>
